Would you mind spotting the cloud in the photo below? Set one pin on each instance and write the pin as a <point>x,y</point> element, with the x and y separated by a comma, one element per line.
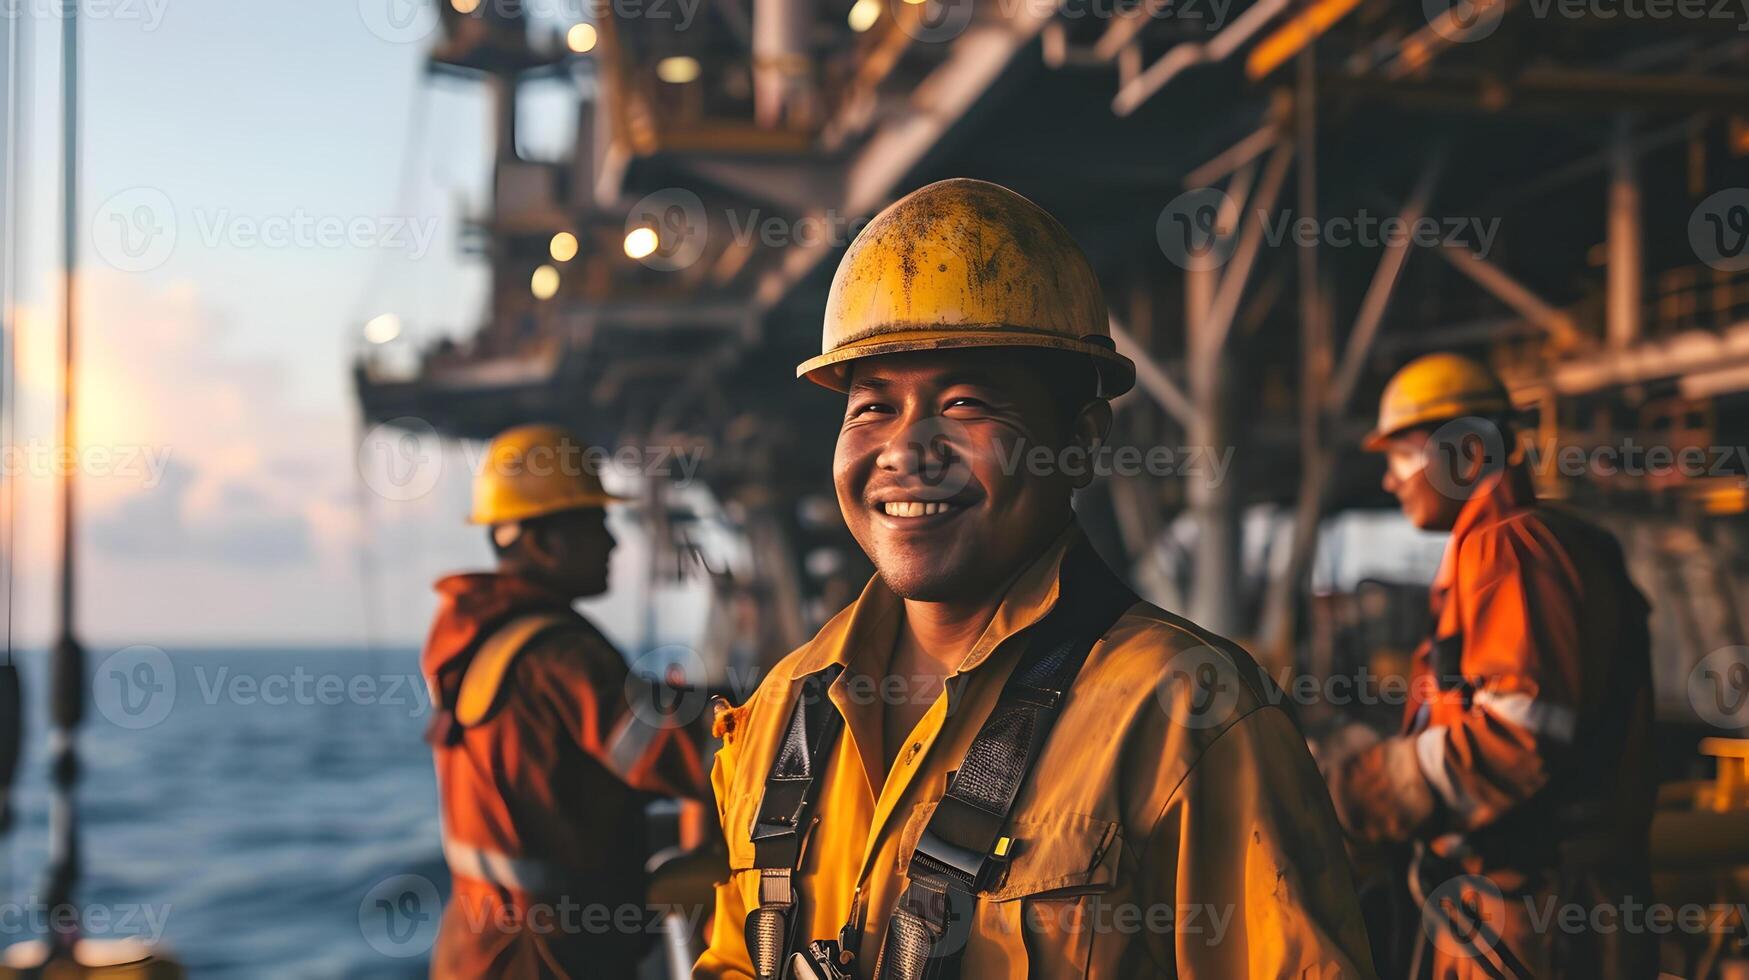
<point>244,529</point>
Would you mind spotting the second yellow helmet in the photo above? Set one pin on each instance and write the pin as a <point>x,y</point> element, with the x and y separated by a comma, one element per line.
<point>534,470</point>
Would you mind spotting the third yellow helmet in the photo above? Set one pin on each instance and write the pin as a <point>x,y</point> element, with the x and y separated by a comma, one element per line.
<point>1437,388</point>
<point>534,470</point>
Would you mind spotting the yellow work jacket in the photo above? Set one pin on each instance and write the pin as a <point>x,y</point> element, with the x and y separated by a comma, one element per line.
<point>1173,825</point>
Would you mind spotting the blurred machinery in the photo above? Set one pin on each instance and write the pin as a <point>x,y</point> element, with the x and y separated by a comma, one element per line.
<point>1577,185</point>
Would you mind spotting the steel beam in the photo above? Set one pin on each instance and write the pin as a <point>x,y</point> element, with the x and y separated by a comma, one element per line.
<point>1153,379</point>
<point>1378,294</point>
<point>1514,294</point>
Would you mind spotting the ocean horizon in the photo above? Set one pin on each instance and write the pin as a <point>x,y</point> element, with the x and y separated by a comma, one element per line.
<point>257,811</point>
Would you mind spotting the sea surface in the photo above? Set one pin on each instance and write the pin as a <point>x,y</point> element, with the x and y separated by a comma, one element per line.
<point>263,813</point>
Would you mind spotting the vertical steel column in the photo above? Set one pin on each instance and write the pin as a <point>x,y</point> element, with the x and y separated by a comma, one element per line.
<point>1214,589</point>
<point>1626,271</point>
<point>1276,647</point>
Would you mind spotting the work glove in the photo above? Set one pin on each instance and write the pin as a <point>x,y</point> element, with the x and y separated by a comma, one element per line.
<point>1380,792</point>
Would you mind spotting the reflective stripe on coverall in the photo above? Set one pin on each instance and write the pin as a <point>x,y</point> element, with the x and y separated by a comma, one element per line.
<point>543,802</point>
<point>1174,823</point>
<point>1525,750</point>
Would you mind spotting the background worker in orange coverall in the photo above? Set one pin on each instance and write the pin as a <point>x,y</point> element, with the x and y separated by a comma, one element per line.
<point>545,747</point>
<point>1172,823</point>
<point>1522,772</point>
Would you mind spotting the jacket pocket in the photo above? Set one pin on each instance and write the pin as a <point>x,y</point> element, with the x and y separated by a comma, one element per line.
<point>1041,914</point>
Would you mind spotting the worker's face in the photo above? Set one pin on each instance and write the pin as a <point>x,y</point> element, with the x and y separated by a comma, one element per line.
<point>1431,498</point>
<point>931,469</point>
<point>571,551</point>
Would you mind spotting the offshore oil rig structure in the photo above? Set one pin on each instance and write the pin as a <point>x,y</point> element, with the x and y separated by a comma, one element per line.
<point>1580,171</point>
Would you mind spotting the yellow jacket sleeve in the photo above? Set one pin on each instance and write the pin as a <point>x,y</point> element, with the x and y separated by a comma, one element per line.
<point>1247,853</point>
<point>726,957</point>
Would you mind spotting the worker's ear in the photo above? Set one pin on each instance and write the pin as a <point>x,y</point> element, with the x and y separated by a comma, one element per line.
<point>1089,430</point>
<point>537,544</point>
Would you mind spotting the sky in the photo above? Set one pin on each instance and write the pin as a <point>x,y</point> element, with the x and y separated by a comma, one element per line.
<point>256,185</point>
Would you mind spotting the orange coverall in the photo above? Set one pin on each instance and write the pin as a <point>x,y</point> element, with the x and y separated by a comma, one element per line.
<point>1525,753</point>
<point>1173,825</point>
<point>543,802</point>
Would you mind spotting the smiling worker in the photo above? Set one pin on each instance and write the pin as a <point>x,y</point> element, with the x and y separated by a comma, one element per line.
<point>998,762</point>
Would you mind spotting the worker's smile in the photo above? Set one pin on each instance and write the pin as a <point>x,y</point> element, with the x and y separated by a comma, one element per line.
<point>913,512</point>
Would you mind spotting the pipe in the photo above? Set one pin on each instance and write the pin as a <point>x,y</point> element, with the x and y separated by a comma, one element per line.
<point>1626,271</point>
<point>781,68</point>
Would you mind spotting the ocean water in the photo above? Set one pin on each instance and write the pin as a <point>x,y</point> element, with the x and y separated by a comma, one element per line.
<point>265,813</point>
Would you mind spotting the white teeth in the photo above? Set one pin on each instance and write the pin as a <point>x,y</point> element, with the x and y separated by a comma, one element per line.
<point>913,508</point>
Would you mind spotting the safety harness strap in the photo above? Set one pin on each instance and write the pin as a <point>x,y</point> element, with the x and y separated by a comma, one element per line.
<point>962,849</point>
<point>785,815</point>
<point>483,681</point>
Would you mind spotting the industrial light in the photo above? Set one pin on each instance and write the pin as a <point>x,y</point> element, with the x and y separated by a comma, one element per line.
<point>677,70</point>
<point>382,329</point>
<point>580,38</point>
<point>563,247</point>
<point>545,282</point>
<point>465,6</point>
<point>641,242</point>
<point>864,15</point>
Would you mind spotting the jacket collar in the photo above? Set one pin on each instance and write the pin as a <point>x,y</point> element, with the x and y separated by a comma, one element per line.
<point>1030,594</point>
<point>1496,498</point>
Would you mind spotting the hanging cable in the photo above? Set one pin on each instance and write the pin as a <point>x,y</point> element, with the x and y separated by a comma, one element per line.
<point>67,671</point>
<point>13,116</point>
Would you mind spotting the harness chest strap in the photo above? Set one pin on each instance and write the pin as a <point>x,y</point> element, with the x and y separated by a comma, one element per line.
<point>483,681</point>
<point>785,815</point>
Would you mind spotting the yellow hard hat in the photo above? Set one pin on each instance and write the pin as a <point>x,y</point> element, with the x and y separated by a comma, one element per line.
<point>1437,388</point>
<point>964,263</point>
<point>534,470</point>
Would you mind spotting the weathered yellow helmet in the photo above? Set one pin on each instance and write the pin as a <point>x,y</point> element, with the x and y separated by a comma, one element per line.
<point>1437,388</point>
<point>534,470</point>
<point>964,263</point>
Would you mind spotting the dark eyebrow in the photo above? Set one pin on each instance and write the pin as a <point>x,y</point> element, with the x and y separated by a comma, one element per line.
<point>867,383</point>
